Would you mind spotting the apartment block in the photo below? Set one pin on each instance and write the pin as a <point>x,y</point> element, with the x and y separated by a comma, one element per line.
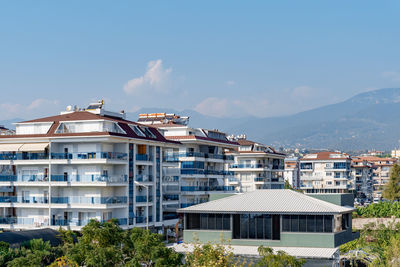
<point>88,163</point>
<point>361,171</point>
<point>292,171</point>
<point>326,172</point>
<point>203,157</point>
<point>256,166</point>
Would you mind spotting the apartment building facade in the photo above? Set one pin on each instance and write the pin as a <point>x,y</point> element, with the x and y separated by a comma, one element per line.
<point>361,171</point>
<point>326,172</point>
<point>256,166</point>
<point>87,164</point>
<point>292,171</point>
<point>203,157</point>
<point>380,172</point>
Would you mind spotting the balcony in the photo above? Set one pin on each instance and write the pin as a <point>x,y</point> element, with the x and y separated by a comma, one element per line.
<point>23,156</point>
<point>144,178</point>
<point>172,216</point>
<point>205,155</point>
<point>37,221</point>
<point>259,179</point>
<point>171,179</point>
<point>63,222</point>
<point>33,178</point>
<point>89,178</point>
<point>144,157</point>
<point>142,219</point>
<point>20,199</point>
<point>90,155</point>
<point>188,204</point>
<point>205,172</point>
<point>8,178</point>
<point>169,197</point>
<point>173,157</point>
<point>89,200</point>
<point>247,166</point>
<point>143,198</point>
<point>206,188</point>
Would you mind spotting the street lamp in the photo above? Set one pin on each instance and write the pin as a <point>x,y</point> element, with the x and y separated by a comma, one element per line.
<point>147,203</point>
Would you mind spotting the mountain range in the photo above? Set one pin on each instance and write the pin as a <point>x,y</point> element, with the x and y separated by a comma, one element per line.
<point>366,121</point>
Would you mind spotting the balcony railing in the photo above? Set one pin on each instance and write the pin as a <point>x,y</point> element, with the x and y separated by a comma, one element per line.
<point>206,188</point>
<point>188,204</point>
<point>144,178</point>
<point>169,197</point>
<point>23,156</point>
<point>202,155</point>
<point>205,172</point>
<point>144,157</point>
<point>259,179</point>
<point>171,179</point>
<point>170,216</point>
<point>87,178</point>
<point>24,221</point>
<point>247,166</point>
<point>142,219</point>
<point>90,155</point>
<point>33,178</point>
<point>8,178</point>
<point>143,198</point>
<point>89,200</point>
<point>20,199</point>
<point>63,222</point>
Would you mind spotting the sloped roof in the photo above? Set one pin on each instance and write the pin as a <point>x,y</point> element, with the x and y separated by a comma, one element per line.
<point>87,116</point>
<point>326,155</point>
<point>15,239</point>
<point>268,201</point>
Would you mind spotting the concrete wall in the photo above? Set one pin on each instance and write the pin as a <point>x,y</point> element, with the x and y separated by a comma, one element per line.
<point>323,240</point>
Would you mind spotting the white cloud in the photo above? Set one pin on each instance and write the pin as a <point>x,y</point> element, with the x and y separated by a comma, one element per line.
<point>156,79</point>
<point>41,102</point>
<point>392,75</point>
<point>213,106</point>
<point>230,83</point>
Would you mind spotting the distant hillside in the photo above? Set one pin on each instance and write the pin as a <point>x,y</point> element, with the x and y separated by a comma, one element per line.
<point>366,121</point>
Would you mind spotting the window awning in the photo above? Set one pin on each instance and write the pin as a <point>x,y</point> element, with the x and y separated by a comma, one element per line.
<point>9,147</point>
<point>33,147</point>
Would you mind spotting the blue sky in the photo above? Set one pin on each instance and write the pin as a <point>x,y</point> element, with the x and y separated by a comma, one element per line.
<point>221,58</point>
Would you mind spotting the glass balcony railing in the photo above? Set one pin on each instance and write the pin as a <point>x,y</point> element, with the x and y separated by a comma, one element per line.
<point>144,178</point>
<point>8,178</point>
<point>142,219</point>
<point>205,172</point>
<point>20,199</point>
<point>89,200</point>
<point>206,188</point>
<point>188,204</point>
<point>23,156</point>
<point>259,179</point>
<point>169,197</point>
<point>247,166</point>
<point>171,179</point>
<point>33,178</point>
<point>63,222</point>
<point>89,178</point>
<point>170,216</point>
<point>144,157</point>
<point>202,155</point>
<point>143,198</point>
<point>40,221</point>
<point>90,155</point>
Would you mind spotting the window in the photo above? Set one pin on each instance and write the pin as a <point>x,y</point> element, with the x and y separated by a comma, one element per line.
<point>208,221</point>
<point>307,223</point>
<point>137,130</point>
<point>328,174</point>
<point>253,226</point>
<point>148,133</point>
<point>339,165</point>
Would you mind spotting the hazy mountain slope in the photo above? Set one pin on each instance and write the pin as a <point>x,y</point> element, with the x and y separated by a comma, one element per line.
<point>368,120</point>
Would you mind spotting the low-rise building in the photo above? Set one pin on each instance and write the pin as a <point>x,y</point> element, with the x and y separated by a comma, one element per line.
<point>281,219</point>
<point>326,172</point>
<point>256,166</point>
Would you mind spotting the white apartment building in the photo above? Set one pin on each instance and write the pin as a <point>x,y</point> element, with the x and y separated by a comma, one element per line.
<point>326,172</point>
<point>203,159</point>
<point>361,171</point>
<point>82,164</point>
<point>256,166</point>
<point>292,172</point>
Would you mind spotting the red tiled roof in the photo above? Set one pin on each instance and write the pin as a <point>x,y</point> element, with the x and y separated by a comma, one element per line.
<point>325,155</point>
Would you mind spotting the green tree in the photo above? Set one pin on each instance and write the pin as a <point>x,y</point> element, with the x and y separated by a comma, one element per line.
<point>287,185</point>
<point>143,248</point>
<point>278,259</point>
<point>36,252</point>
<point>392,190</point>
<point>217,255</point>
